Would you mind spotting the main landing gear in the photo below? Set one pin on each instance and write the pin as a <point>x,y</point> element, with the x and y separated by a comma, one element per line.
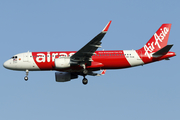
<point>26,77</point>
<point>85,72</point>
<point>84,81</point>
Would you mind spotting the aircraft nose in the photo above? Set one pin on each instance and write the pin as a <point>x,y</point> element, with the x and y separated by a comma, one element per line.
<point>7,64</point>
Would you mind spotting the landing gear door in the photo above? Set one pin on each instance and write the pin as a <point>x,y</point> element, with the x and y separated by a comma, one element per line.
<point>26,57</point>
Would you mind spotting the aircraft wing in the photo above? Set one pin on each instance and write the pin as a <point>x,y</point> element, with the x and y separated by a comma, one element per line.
<point>85,53</point>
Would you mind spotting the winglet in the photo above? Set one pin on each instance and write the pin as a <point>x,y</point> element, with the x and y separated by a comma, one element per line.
<point>107,27</point>
<point>103,72</point>
<point>97,74</point>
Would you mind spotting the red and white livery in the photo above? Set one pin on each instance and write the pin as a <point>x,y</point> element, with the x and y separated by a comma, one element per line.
<point>70,64</point>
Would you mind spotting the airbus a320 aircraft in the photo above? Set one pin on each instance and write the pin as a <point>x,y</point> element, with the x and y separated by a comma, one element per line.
<point>70,64</point>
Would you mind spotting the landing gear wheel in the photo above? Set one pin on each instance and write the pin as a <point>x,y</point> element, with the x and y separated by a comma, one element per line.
<point>84,81</point>
<point>85,71</point>
<point>25,78</point>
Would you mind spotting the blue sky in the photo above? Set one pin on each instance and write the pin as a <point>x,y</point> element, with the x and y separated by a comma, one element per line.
<point>149,92</point>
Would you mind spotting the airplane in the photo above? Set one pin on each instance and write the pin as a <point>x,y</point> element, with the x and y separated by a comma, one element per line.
<point>70,64</point>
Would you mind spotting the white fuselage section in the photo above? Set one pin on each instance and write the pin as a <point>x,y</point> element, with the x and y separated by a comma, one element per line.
<point>21,62</point>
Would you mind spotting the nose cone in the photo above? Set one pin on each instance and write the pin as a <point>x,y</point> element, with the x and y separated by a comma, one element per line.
<point>7,64</point>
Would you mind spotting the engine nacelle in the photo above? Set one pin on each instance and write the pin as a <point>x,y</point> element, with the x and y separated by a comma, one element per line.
<point>64,76</point>
<point>62,62</point>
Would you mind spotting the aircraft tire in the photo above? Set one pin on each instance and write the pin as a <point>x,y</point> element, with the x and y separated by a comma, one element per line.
<point>25,78</point>
<point>85,71</point>
<point>84,81</point>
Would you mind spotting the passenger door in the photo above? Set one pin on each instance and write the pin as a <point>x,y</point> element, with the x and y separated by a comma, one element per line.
<point>26,57</point>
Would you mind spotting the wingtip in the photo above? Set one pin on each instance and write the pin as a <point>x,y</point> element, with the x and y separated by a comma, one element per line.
<point>107,27</point>
<point>103,72</point>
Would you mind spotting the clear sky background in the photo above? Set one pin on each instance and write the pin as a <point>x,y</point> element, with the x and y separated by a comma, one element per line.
<point>149,92</point>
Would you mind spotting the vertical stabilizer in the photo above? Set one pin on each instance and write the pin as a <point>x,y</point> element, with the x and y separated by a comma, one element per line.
<point>158,40</point>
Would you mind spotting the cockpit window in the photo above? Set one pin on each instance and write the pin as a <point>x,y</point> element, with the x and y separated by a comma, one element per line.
<point>14,57</point>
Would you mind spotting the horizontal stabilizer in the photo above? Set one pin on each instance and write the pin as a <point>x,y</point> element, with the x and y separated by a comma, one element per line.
<point>162,51</point>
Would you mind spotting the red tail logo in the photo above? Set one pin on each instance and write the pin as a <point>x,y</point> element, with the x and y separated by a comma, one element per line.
<point>158,40</point>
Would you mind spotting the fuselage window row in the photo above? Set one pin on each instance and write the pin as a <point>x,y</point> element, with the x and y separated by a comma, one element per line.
<point>93,55</point>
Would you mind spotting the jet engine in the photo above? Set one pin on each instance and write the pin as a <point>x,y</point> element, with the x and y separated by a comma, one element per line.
<point>63,62</point>
<point>64,76</point>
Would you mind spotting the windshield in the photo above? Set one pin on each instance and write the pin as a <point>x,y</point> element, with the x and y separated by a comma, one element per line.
<point>14,57</point>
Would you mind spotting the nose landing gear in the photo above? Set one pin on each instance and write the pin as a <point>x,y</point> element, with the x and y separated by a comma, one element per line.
<point>26,77</point>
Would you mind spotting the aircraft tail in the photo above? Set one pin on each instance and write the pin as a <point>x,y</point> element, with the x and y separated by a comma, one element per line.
<point>162,51</point>
<point>158,40</point>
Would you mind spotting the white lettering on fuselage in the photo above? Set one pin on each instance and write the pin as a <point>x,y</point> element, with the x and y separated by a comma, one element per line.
<point>48,57</point>
<point>149,47</point>
<point>41,57</point>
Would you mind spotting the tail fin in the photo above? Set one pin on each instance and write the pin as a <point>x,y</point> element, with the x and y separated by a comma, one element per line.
<point>158,40</point>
